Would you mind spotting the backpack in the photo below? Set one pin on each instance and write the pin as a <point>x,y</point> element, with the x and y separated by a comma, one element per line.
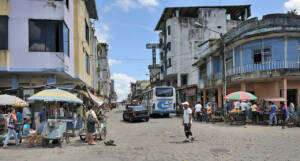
<point>90,118</point>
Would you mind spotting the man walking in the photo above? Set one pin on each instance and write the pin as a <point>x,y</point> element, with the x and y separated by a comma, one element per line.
<point>198,109</point>
<point>187,122</point>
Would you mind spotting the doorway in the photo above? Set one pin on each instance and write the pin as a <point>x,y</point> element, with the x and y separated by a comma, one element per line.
<point>292,95</point>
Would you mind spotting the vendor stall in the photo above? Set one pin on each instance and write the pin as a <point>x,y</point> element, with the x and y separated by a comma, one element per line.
<point>59,106</point>
<point>6,102</point>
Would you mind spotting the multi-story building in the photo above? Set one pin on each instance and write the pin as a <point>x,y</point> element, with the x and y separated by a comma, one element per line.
<point>104,70</point>
<point>138,88</point>
<point>45,42</point>
<point>261,57</point>
<point>183,29</point>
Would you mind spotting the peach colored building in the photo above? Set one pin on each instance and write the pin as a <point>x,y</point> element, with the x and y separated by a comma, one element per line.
<point>261,57</point>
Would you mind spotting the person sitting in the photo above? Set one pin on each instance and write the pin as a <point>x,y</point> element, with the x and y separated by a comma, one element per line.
<point>29,132</point>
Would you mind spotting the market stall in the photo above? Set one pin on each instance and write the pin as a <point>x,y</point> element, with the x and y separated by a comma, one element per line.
<point>59,108</point>
<point>6,102</point>
<point>236,116</point>
<point>264,108</point>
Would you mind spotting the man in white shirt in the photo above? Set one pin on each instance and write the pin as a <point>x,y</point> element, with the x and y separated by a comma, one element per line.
<point>237,104</point>
<point>198,109</point>
<point>187,122</point>
<point>244,107</point>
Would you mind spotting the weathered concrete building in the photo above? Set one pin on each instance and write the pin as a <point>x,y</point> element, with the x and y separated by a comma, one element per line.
<point>182,30</point>
<point>104,71</point>
<point>261,57</point>
<point>138,88</point>
<point>45,42</point>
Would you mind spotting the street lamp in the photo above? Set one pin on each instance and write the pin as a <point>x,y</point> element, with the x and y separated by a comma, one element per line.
<point>223,55</point>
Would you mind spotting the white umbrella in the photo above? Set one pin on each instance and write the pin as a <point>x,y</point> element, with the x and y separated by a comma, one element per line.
<point>12,101</point>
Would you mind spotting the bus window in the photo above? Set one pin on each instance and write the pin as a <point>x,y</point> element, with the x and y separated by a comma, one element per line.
<point>164,92</point>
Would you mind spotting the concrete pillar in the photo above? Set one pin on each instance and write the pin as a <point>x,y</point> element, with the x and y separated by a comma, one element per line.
<point>204,97</point>
<point>284,87</point>
<point>178,80</point>
<point>243,86</point>
<point>220,91</point>
<point>15,82</point>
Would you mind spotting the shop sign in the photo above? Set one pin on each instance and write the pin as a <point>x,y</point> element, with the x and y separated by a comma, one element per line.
<point>190,92</point>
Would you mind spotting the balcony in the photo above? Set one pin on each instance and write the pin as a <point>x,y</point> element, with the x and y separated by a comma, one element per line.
<point>272,65</point>
<point>274,68</point>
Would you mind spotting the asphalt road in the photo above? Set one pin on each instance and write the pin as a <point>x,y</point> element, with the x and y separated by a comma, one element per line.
<point>161,139</point>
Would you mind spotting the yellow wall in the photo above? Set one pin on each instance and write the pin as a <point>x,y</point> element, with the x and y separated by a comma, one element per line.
<point>4,54</point>
<point>4,7</point>
<point>80,44</point>
<point>4,58</point>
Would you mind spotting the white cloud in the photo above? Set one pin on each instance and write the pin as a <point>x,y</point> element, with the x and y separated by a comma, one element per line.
<point>149,3</point>
<point>292,4</point>
<point>102,33</point>
<point>122,85</point>
<point>113,61</point>
<point>127,5</point>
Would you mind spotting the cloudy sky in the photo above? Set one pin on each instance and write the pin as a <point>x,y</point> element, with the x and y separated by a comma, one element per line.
<point>127,25</point>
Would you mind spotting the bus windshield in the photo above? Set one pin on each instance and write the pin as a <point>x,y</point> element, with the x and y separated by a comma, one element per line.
<point>164,92</point>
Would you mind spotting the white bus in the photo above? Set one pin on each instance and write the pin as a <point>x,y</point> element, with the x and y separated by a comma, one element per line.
<point>160,100</point>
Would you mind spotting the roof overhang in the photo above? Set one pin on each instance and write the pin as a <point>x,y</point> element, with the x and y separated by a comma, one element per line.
<point>91,8</point>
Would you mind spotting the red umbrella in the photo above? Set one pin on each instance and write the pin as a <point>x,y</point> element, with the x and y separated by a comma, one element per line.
<point>240,95</point>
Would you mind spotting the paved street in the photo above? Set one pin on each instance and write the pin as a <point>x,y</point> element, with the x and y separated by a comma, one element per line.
<point>161,139</point>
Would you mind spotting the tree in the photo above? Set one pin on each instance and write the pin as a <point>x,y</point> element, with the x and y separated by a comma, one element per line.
<point>292,12</point>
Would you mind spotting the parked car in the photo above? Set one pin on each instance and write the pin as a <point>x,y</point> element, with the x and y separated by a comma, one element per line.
<point>133,113</point>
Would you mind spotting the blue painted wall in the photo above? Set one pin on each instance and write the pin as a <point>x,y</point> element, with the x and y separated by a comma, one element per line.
<point>277,47</point>
<point>292,48</point>
<point>217,68</point>
<point>248,51</point>
<point>237,57</point>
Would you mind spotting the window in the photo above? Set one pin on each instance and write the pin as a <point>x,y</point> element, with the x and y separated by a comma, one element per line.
<point>164,92</point>
<point>66,39</point>
<point>67,3</point>
<point>169,30</point>
<point>170,62</point>
<point>257,57</point>
<point>184,80</point>
<point>161,56</point>
<point>48,36</point>
<point>87,63</point>
<point>4,32</point>
<point>87,32</point>
<point>262,56</point>
<point>267,55</point>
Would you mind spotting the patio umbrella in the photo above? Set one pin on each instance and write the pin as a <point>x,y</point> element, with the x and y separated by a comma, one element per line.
<point>55,95</point>
<point>10,100</point>
<point>240,95</point>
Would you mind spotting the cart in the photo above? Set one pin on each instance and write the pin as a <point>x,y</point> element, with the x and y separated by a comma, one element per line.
<point>236,117</point>
<point>56,130</point>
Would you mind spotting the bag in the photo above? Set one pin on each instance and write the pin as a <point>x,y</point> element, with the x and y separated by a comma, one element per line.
<point>11,123</point>
<point>91,119</point>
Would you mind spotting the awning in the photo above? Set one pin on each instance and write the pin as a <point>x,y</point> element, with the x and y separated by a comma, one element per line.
<point>274,99</point>
<point>84,93</point>
<point>95,99</point>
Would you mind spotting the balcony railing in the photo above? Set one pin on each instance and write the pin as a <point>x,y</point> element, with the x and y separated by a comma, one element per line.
<point>272,65</point>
